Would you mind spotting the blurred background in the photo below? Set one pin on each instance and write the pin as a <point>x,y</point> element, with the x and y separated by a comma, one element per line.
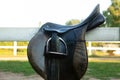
<point>34,13</point>
<point>109,8</point>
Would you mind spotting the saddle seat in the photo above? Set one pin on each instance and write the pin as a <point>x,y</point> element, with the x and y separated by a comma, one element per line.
<point>91,21</point>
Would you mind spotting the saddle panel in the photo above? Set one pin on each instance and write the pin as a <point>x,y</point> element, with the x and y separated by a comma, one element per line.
<point>93,20</point>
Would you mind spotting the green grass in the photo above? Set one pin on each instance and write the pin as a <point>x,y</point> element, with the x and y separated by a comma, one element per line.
<point>17,67</point>
<point>103,70</point>
<point>99,70</point>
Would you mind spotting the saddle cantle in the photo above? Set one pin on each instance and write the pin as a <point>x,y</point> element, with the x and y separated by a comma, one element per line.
<point>93,20</point>
<point>59,52</point>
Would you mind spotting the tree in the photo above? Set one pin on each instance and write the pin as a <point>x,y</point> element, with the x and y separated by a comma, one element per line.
<point>72,22</point>
<point>112,14</point>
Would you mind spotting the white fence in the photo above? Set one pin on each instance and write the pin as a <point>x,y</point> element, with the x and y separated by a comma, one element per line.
<point>90,47</point>
<point>25,34</point>
<point>14,47</point>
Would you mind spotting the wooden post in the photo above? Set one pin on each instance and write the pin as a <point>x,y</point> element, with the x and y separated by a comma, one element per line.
<point>89,48</point>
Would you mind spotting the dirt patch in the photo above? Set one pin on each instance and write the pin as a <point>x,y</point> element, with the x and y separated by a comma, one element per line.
<point>114,79</point>
<point>93,79</point>
<point>14,76</point>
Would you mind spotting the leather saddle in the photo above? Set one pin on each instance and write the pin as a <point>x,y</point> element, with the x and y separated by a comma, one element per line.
<point>58,52</point>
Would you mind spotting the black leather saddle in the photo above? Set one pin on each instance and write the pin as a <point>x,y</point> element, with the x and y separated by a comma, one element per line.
<point>58,52</point>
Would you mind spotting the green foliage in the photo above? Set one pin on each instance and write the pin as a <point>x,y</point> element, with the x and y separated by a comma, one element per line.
<point>22,52</point>
<point>112,14</point>
<point>11,43</point>
<point>109,19</point>
<point>5,43</point>
<point>98,44</point>
<point>22,43</point>
<point>72,22</point>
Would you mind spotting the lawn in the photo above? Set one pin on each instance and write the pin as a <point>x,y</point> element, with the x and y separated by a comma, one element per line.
<point>99,70</point>
<point>103,70</point>
<point>17,67</point>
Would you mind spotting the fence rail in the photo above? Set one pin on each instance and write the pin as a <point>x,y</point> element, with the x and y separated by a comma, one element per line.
<point>25,34</point>
<point>89,47</point>
<point>14,47</point>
